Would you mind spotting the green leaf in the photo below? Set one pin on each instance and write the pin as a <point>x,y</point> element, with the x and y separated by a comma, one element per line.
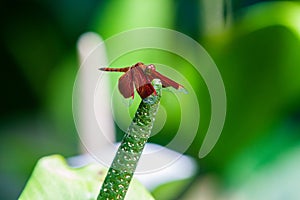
<point>177,187</point>
<point>52,179</point>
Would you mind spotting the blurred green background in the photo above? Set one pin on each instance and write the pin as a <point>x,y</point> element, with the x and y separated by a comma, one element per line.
<point>255,44</point>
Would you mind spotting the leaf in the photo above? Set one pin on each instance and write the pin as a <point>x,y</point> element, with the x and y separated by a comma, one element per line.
<point>52,179</point>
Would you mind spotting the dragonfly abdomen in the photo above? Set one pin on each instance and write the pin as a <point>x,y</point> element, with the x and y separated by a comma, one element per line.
<point>124,69</point>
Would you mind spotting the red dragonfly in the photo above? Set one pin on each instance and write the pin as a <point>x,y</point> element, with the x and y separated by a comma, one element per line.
<point>139,76</point>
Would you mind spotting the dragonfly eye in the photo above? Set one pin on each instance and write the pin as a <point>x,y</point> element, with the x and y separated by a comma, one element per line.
<point>148,69</point>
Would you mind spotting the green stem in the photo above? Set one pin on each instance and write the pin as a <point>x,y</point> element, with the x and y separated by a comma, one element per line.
<point>121,171</point>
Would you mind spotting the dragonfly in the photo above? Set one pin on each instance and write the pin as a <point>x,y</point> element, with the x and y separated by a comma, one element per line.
<point>139,76</point>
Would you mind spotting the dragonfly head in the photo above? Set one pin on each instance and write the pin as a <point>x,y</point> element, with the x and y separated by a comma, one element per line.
<point>150,68</point>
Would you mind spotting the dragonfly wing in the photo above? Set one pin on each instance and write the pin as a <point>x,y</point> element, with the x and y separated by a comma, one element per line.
<point>126,85</point>
<point>142,82</point>
<point>165,81</point>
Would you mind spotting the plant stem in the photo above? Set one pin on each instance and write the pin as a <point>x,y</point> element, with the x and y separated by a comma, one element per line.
<point>121,171</point>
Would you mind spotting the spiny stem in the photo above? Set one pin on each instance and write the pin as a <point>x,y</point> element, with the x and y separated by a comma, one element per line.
<point>121,171</point>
